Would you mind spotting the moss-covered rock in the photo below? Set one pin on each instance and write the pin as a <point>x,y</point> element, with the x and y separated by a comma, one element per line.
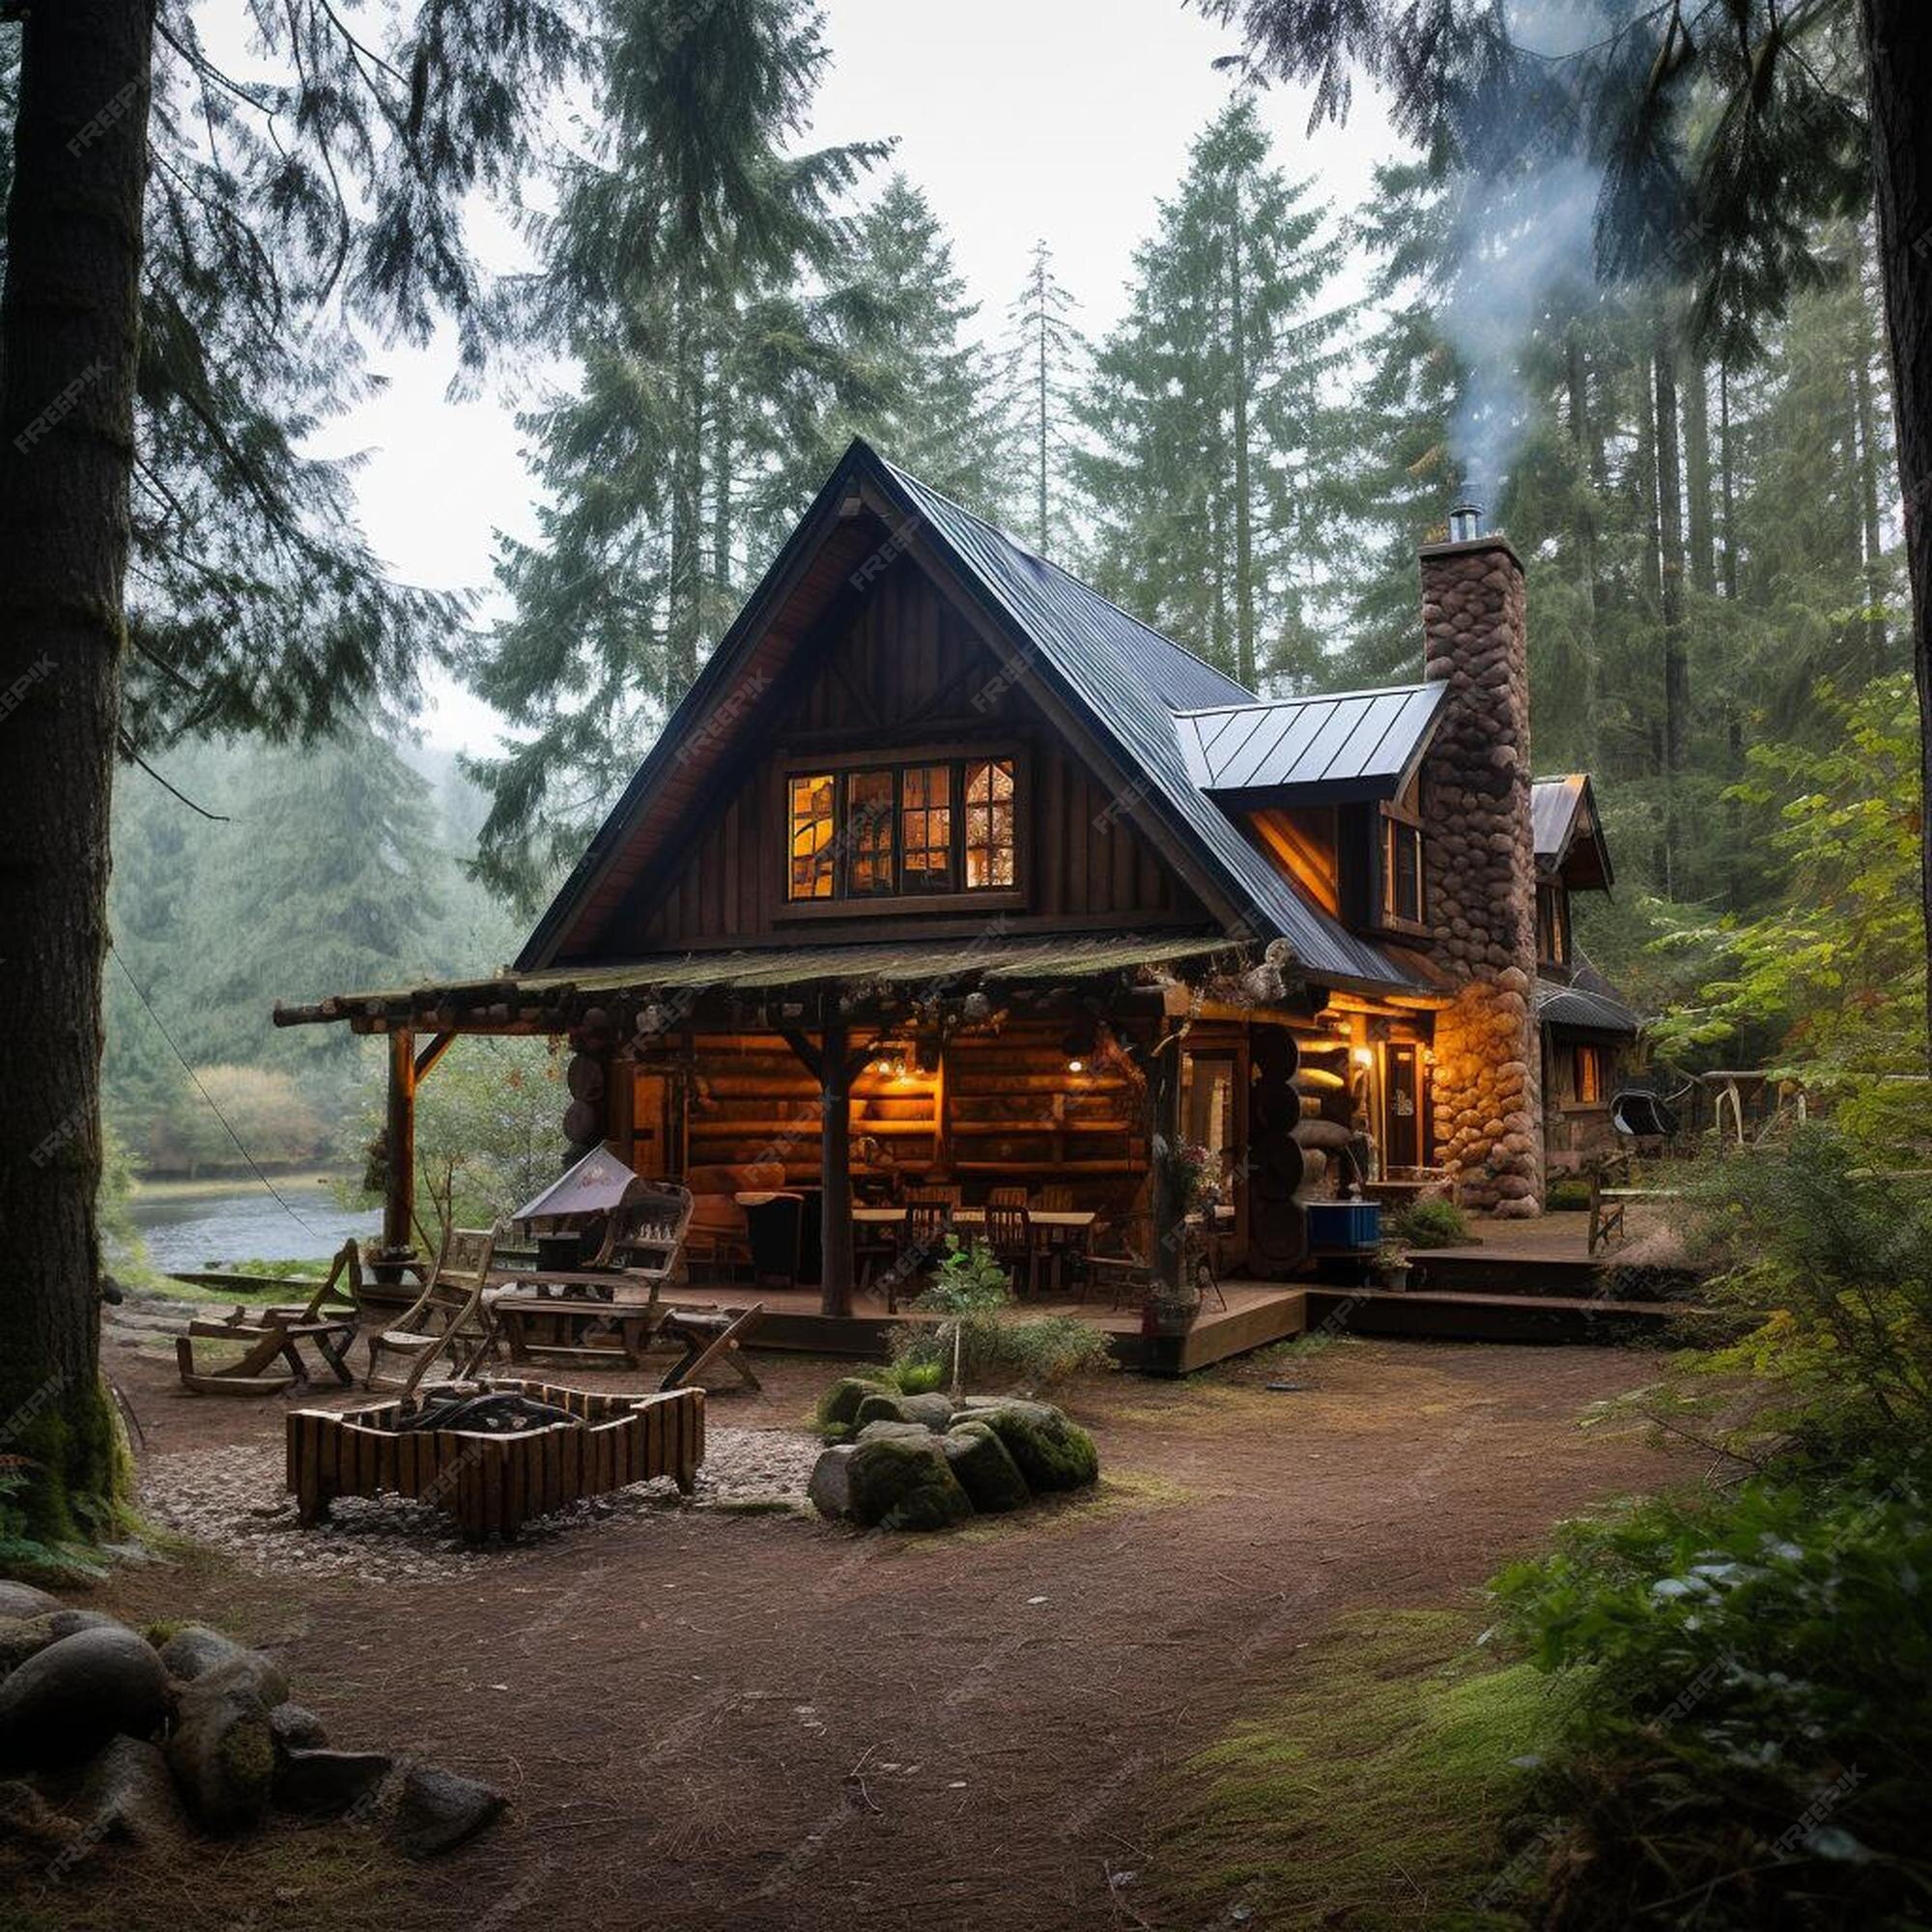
<point>932,1409</point>
<point>900,1484</point>
<point>985,1471</point>
<point>881,1407</point>
<point>903,1432</point>
<point>838,1413</point>
<point>1052,1452</point>
<point>194,1650</point>
<point>222,1752</point>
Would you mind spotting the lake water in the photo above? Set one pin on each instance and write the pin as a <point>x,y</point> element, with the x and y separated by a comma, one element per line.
<point>249,1224</point>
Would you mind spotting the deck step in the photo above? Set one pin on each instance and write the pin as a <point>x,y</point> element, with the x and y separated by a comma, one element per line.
<point>1463,1316</point>
<point>1462,1273</point>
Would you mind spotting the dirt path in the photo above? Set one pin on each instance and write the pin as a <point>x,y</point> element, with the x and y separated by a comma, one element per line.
<point>710,1718</point>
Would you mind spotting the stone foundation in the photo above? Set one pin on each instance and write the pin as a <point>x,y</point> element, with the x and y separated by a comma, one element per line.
<point>1480,875</point>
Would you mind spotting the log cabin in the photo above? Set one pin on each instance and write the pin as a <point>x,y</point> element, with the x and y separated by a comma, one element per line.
<point>948,869</point>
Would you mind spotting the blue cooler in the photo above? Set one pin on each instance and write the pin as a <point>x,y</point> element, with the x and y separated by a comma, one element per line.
<point>1345,1227</point>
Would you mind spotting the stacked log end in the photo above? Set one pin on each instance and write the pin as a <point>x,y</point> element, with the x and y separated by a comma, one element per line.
<point>1480,875</point>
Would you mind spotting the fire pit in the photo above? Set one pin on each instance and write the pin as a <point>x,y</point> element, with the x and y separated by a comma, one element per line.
<point>492,1480</point>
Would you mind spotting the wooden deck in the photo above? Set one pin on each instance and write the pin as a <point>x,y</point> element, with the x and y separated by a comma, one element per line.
<point>1257,1313</point>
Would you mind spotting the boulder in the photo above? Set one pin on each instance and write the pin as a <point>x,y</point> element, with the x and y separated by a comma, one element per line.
<point>899,1484</point>
<point>130,1794</point>
<point>985,1471</point>
<point>1052,1452</point>
<point>21,1638</point>
<point>895,1432</point>
<point>194,1650</point>
<point>222,1752</point>
<point>294,1728</point>
<point>879,1406</point>
<point>67,1700</point>
<point>435,1810</point>
<point>326,1784</point>
<point>830,1489</point>
<point>22,1600</point>
<point>839,1405</point>
<point>933,1410</point>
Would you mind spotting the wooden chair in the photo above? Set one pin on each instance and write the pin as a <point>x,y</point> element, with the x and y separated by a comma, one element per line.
<point>446,1319</point>
<point>1126,1275</point>
<point>1057,1199</point>
<point>1615,1184</point>
<point>645,1238</point>
<point>929,1213</point>
<point>327,1320</point>
<point>1010,1240</point>
<point>1007,1197</point>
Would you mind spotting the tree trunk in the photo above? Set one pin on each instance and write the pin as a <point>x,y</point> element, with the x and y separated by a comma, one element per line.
<point>1581,438</point>
<point>69,321</point>
<point>1728,487</point>
<point>687,508</point>
<point>1697,521</point>
<point>1899,56</point>
<point>1244,530</point>
<point>1671,588</point>
<point>1040,398</point>
<point>1865,407</point>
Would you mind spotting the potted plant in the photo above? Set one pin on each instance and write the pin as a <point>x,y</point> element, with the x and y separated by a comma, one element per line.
<point>1392,1265</point>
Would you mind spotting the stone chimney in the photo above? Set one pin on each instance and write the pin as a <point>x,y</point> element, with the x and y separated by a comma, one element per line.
<point>1480,871</point>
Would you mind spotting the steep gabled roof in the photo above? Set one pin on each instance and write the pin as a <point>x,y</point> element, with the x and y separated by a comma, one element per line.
<point>1561,810</point>
<point>1336,747</point>
<point>1122,679</point>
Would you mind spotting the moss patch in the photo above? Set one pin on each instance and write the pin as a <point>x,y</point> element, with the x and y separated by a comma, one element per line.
<point>1367,1794</point>
<point>1052,1452</point>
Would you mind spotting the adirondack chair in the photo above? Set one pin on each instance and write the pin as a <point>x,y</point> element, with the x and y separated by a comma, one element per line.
<point>327,1320</point>
<point>447,1320</point>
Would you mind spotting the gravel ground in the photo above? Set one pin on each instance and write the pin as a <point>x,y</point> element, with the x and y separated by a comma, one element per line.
<point>234,1499</point>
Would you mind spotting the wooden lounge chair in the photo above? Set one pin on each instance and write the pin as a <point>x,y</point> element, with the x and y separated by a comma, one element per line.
<point>327,1320</point>
<point>447,1320</point>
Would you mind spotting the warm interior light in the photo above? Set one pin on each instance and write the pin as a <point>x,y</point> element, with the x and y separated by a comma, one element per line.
<point>1076,1066</point>
<point>1364,1056</point>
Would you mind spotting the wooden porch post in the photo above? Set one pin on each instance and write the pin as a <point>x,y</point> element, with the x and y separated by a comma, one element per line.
<point>835,1160</point>
<point>1170,1206</point>
<point>399,1199</point>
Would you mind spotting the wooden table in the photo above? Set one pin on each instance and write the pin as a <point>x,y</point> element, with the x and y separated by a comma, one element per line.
<point>534,1323</point>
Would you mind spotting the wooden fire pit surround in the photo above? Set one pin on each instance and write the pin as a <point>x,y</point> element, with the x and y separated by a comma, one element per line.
<point>493,1484</point>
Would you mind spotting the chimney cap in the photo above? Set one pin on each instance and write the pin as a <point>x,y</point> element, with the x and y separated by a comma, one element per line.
<point>1465,522</point>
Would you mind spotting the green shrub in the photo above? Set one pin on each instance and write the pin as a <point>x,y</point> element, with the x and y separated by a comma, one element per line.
<point>1835,1259</point>
<point>1023,1351</point>
<point>1430,1224</point>
<point>1751,1711</point>
<point>1567,1193</point>
<point>911,1377</point>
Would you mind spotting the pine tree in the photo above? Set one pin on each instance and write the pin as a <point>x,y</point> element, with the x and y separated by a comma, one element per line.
<point>347,198</point>
<point>941,414</point>
<point>1041,374</point>
<point>699,273</point>
<point>1218,481</point>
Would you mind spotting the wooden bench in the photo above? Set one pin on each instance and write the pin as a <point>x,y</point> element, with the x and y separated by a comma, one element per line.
<point>1609,1204</point>
<point>589,1328</point>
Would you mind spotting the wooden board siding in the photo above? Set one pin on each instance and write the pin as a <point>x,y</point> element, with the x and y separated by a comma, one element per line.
<point>910,673</point>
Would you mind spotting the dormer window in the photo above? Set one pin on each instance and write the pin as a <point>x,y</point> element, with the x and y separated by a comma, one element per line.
<point>903,831</point>
<point>1552,924</point>
<point>1402,895</point>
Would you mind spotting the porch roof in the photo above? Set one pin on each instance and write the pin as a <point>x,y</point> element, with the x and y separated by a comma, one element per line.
<point>444,1004</point>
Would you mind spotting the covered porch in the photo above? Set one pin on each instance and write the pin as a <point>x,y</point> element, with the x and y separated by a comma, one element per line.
<point>1173,1097</point>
